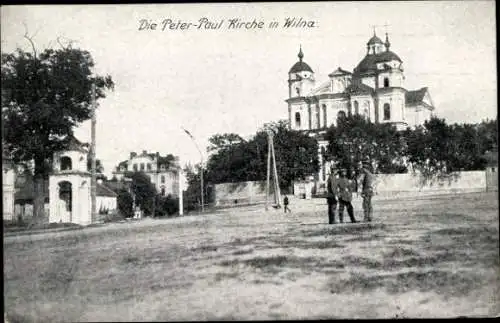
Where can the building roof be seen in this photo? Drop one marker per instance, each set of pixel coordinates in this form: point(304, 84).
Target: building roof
point(369, 63)
point(359, 88)
point(76, 145)
point(415, 97)
point(374, 40)
point(339, 71)
point(300, 67)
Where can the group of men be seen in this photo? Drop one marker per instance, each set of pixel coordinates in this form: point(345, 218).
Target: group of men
point(340, 188)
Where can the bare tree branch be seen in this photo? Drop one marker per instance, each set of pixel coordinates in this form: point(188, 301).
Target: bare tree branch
point(30, 39)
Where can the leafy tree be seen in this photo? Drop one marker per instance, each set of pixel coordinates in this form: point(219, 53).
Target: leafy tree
point(238, 160)
point(355, 139)
point(124, 203)
point(192, 195)
point(220, 141)
point(99, 168)
point(143, 190)
point(44, 96)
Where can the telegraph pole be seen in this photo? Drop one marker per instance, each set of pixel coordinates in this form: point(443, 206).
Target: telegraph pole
point(92, 159)
point(268, 169)
point(181, 197)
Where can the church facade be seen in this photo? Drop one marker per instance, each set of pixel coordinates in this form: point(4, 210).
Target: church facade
point(374, 89)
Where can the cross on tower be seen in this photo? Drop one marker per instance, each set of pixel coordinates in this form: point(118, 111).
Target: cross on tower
point(375, 26)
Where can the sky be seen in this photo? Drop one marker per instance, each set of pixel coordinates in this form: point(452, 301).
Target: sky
point(233, 80)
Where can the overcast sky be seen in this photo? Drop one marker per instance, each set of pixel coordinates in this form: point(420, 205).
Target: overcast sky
point(234, 80)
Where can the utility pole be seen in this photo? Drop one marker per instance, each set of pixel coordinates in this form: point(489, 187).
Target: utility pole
point(268, 169)
point(92, 159)
point(201, 184)
point(181, 197)
point(277, 193)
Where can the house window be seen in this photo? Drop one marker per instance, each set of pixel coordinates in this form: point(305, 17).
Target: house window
point(163, 191)
point(298, 91)
point(349, 108)
point(356, 107)
point(65, 163)
point(386, 82)
point(162, 167)
point(162, 179)
point(149, 166)
point(297, 120)
point(142, 166)
point(387, 111)
point(135, 167)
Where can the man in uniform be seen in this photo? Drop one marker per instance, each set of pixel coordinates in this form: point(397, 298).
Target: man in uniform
point(330, 198)
point(344, 192)
point(367, 191)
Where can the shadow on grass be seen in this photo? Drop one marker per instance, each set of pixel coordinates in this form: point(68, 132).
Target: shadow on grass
point(346, 229)
point(441, 282)
point(279, 263)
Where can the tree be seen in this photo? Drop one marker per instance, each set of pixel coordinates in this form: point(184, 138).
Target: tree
point(355, 139)
point(236, 160)
point(437, 149)
point(99, 168)
point(220, 141)
point(143, 190)
point(192, 197)
point(124, 203)
point(44, 96)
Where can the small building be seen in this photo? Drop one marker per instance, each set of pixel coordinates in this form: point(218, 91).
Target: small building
point(67, 191)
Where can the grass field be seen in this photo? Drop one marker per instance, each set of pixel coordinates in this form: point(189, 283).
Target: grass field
point(434, 257)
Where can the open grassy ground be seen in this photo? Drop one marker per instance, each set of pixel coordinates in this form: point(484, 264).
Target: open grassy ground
point(433, 257)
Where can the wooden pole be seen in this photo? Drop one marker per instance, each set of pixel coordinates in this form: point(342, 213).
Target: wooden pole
point(202, 191)
point(268, 169)
point(277, 193)
point(181, 197)
point(92, 159)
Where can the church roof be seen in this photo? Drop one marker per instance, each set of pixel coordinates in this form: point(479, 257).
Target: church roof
point(359, 88)
point(300, 67)
point(375, 40)
point(370, 61)
point(415, 97)
point(339, 71)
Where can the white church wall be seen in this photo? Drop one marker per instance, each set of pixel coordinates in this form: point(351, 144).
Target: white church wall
point(369, 80)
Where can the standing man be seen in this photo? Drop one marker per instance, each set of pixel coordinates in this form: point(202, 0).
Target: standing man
point(285, 203)
point(367, 191)
point(330, 197)
point(344, 192)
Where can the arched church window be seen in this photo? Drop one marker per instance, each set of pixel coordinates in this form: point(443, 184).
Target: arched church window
point(135, 167)
point(340, 116)
point(163, 191)
point(356, 107)
point(386, 82)
point(349, 109)
point(162, 179)
point(65, 194)
point(387, 111)
point(297, 120)
point(66, 163)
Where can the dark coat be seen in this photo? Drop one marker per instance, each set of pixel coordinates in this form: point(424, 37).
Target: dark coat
point(331, 184)
point(345, 188)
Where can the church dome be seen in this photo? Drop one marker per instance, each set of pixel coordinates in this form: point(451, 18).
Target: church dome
point(370, 61)
point(375, 40)
point(300, 66)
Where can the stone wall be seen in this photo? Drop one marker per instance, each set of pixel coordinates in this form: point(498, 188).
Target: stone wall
point(233, 194)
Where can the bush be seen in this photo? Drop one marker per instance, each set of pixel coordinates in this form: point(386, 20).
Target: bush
point(168, 205)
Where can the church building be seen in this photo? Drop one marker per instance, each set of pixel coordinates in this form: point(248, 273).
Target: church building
point(374, 89)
